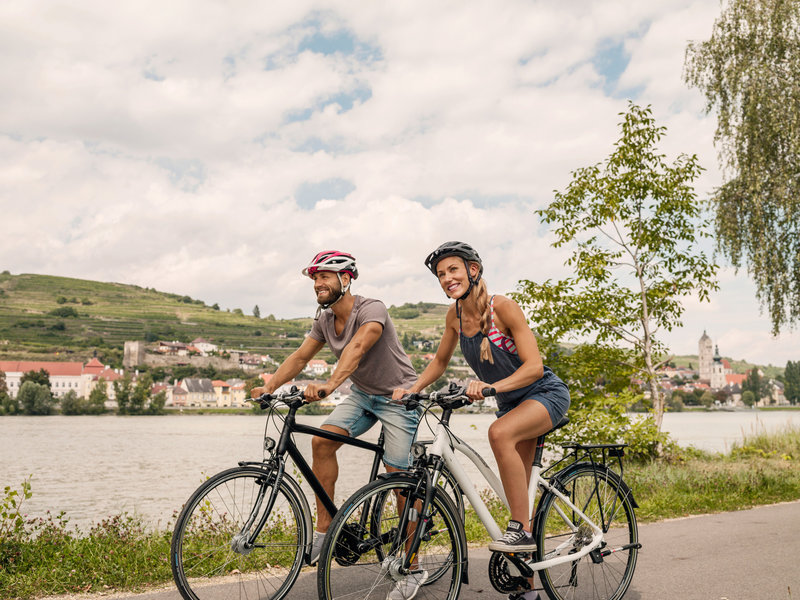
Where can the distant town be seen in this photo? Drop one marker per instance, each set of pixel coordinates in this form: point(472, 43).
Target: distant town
point(713, 380)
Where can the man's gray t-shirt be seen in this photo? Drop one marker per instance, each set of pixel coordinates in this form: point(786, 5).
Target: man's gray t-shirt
point(385, 366)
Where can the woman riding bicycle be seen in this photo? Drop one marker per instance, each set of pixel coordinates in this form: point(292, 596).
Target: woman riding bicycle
point(500, 347)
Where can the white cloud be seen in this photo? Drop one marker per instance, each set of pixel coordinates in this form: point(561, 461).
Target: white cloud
point(163, 144)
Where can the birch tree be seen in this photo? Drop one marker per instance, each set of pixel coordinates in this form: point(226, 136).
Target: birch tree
point(633, 224)
point(749, 71)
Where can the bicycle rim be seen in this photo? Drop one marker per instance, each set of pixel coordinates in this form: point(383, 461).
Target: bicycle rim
point(205, 564)
point(606, 573)
point(361, 556)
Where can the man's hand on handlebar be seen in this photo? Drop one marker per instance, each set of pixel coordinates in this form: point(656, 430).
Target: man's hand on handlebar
point(259, 391)
point(315, 391)
point(399, 394)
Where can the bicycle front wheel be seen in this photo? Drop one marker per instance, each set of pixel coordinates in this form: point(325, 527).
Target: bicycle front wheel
point(367, 541)
point(210, 555)
point(605, 573)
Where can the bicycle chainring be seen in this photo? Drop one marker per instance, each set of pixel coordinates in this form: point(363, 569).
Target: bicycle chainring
point(346, 552)
point(502, 579)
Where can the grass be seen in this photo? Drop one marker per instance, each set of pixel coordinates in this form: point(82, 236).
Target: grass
point(46, 556)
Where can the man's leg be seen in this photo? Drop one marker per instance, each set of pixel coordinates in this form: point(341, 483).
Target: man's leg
point(326, 468)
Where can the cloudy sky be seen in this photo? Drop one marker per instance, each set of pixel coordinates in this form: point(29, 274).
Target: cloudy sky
point(210, 149)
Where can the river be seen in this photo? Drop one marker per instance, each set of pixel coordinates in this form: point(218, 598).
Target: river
point(94, 467)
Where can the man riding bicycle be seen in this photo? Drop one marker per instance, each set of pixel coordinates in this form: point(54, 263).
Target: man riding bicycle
point(360, 333)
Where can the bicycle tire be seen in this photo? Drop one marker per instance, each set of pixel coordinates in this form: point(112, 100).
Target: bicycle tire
point(204, 563)
point(367, 572)
point(592, 576)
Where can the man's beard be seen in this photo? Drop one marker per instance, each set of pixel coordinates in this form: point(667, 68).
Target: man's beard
point(329, 297)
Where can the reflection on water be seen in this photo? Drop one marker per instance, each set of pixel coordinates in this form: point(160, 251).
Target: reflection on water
point(93, 467)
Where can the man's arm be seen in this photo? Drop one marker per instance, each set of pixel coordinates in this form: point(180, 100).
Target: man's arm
point(362, 341)
point(289, 368)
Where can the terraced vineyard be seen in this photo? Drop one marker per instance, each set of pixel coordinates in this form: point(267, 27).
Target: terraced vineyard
point(60, 316)
point(43, 314)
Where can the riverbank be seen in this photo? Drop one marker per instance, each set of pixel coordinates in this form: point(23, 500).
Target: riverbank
point(48, 555)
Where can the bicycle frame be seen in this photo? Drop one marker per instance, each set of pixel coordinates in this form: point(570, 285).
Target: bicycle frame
point(286, 445)
point(444, 446)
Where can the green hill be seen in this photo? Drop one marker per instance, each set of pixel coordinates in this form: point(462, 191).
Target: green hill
point(44, 317)
point(43, 314)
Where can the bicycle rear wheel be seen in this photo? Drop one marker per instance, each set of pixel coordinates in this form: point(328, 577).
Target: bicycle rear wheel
point(365, 547)
point(605, 573)
point(208, 557)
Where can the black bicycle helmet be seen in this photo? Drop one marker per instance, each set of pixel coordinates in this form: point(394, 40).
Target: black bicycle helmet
point(464, 251)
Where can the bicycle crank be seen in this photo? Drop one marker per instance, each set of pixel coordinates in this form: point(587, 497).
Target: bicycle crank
point(509, 573)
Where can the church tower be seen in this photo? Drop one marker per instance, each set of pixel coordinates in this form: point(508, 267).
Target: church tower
point(706, 354)
point(717, 371)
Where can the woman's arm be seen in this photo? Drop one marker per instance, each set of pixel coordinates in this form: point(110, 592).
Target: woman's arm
point(444, 353)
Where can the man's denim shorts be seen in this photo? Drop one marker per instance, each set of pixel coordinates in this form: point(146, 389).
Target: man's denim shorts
point(360, 411)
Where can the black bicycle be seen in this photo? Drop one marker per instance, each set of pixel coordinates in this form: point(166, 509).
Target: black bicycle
point(246, 532)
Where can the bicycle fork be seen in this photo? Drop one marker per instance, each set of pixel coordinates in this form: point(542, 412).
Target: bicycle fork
point(244, 541)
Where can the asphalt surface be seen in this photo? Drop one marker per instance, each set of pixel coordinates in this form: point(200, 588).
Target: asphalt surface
point(745, 555)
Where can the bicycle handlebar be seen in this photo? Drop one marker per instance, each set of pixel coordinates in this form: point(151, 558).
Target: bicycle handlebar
point(455, 396)
point(293, 397)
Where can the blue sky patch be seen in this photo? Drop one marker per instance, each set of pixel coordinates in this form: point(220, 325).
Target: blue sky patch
point(346, 100)
point(309, 193)
point(335, 41)
point(610, 62)
point(187, 174)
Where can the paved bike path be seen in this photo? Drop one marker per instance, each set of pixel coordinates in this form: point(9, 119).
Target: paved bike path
point(744, 555)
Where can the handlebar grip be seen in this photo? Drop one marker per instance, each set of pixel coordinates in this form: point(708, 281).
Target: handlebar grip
point(322, 393)
point(411, 401)
point(488, 391)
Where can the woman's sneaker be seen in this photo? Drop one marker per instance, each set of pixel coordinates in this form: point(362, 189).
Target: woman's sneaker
point(515, 539)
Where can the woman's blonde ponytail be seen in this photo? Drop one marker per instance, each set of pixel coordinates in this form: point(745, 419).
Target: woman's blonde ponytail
point(482, 298)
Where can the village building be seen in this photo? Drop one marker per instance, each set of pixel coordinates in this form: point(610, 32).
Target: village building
point(200, 392)
point(64, 376)
point(204, 347)
point(317, 367)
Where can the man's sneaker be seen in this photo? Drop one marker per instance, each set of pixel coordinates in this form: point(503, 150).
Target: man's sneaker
point(515, 539)
point(407, 588)
point(316, 548)
point(529, 595)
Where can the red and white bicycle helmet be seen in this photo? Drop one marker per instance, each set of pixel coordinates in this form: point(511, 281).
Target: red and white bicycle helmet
point(332, 260)
point(336, 262)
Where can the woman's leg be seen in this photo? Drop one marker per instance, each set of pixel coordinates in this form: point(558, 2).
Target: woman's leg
point(513, 440)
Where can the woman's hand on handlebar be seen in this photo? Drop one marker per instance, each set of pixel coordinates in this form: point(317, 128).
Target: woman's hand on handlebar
point(475, 390)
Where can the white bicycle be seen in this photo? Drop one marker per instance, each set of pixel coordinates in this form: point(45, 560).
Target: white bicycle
point(584, 524)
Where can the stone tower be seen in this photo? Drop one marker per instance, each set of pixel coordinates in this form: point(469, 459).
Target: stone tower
point(706, 355)
point(134, 354)
point(717, 371)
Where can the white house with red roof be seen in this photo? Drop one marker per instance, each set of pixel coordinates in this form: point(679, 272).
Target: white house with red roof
point(64, 376)
point(317, 367)
point(204, 346)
